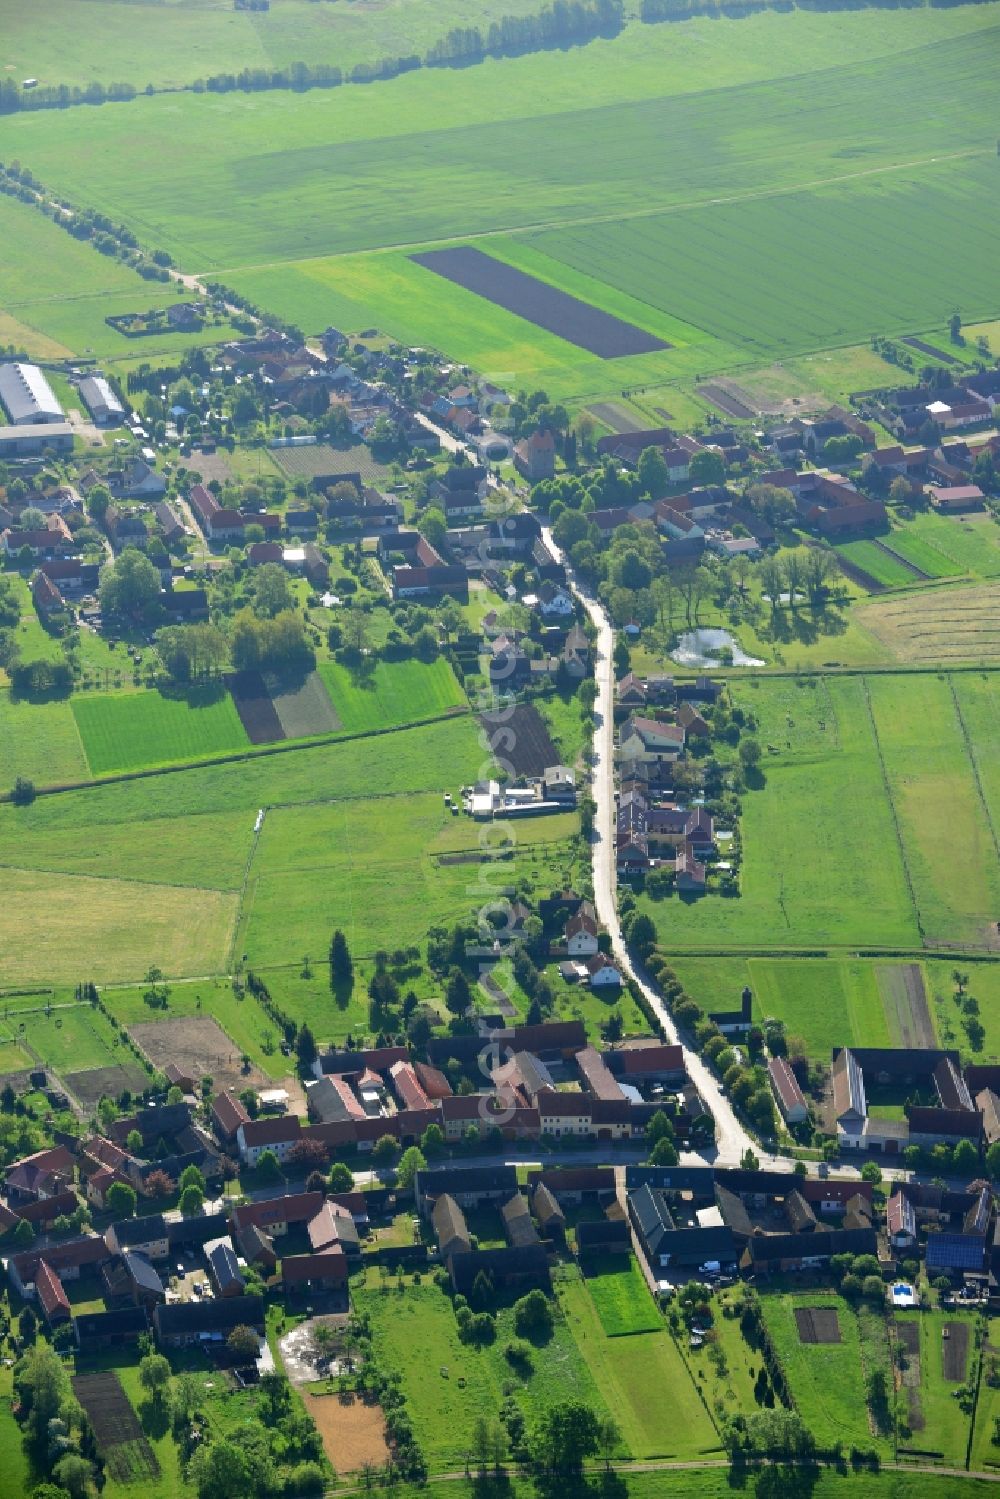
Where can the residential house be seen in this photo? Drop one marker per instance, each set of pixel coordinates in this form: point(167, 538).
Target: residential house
point(207, 1321)
point(46, 596)
point(51, 1295)
point(223, 1267)
point(785, 1086)
point(450, 1227)
point(581, 932)
point(147, 1235)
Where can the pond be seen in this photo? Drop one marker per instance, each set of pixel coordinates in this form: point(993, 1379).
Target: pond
point(702, 648)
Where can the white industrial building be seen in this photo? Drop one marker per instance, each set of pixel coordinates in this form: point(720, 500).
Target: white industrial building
point(27, 396)
point(101, 401)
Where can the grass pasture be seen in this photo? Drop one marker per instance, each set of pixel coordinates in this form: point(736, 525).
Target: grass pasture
point(70, 1038)
point(940, 1425)
point(878, 564)
point(397, 692)
point(922, 553)
point(621, 1298)
point(136, 730)
point(40, 741)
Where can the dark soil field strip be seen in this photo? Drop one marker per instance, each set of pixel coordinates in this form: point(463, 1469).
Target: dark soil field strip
point(120, 1439)
point(817, 1324)
point(905, 999)
point(726, 402)
point(955, 1351)
point(258, 714)
point(537, 302)
point(929, 349)
point(520, 741)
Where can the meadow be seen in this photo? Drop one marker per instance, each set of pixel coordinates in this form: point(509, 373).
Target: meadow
point(39, 741)
point(922, 553)
point(135, 730)
point(106, 880)
point(826, 1379)
point(397, 692)
point(947, 624)
point(242, 1019)
point(69, 1037)
point(885, 569)
point(971, 542)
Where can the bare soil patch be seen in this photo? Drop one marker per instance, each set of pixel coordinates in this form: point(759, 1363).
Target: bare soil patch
point(303, 705)
point(120, 1439)
point(537, 302)
point(210, 466)
point(321, 461)
point(955, 1350)
point(95, 1083)
point(905, 999)
point(727, 400)
point(258, 714)
point(614, 416)
point(817, 1324)
point(353, 1433)
point(520, 740)
point(199, 1046)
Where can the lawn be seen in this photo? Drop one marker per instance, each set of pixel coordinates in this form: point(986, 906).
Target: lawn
point(398, 692)
point(39, 741)
point(805, 882)
point(938, 807)
point(565, 725)
point(972, 541)
point(135, 730)
point(621, 1298)
point(451, 1384)
point(645, 1382)
point(826, 1379)
point(984, 987)
point(918, 550)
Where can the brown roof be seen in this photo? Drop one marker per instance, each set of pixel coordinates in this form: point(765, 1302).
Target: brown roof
point(638, 1060)
point(786, 1084)
point(432, 1081)
point(295, 1207)
point(299, 1269)
point(51, 1292)
point(229, 1113)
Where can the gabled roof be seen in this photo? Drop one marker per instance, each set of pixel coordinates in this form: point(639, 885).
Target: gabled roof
point(51, 1292)
point(189, 1318)
point(141, 1273)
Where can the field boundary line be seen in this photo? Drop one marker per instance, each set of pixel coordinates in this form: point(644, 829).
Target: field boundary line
point(892, 808)
point(241, 894)
point(973, 761)
point(243, 757)
point(117, 879)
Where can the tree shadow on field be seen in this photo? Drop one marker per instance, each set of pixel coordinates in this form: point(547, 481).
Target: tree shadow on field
point(195, 694)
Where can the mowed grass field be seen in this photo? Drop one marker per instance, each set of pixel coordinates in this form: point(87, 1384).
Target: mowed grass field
point(869, 787)
point(932, 625)
point(622, 1300)
point(397, 692)
point(105, 881)
point(890, 571)
point(134, 730)
point(39, 741)
point(70, 1038)
point(643, 1379)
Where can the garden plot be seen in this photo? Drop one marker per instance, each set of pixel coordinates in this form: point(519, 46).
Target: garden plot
point(817, 1324)
point(90, 1086)
point(303, 705)
point(120, 1439)
point(521, 740)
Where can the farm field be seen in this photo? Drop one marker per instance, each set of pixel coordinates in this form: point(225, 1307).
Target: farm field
point(938, 807)
point(344, 863)
point(63, 289)
point(242, 1020)
point(921, 552)
point(73, 926)
point(852, 896)
point(39, 741)
point(627, 1370)
point(621, 1299)
point(947, 624)
point(453, 1383)
point(146, 872)
point(826, 1379)
point(972, 542)
point(135, 730)
point(885, 569)
point(71, 1038)
point(399, 692)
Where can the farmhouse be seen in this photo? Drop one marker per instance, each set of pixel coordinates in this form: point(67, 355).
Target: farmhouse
point(952, 1117)
point(210, 1321)
point(787, 1092)
point(647, 739)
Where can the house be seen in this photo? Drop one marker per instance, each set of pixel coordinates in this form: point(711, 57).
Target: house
point(148, 1235)
point(211, 1321)
point(333, 1227)
point(66, 1259)
point(256, 1247)
point(550, 1216)
point(957, 498)
point(508, 1269)
point(952, 1117)
point(277, 1214)
point(581, 932)
point(228, 1113)
point(224, 1268)
point(535, 457)
point(901, 1221)
point(691, 721)
point(597, 1077)
point(328, 1271)
point(470, 1186)
point(450, 1227)
point(787, 1092)
point(648, 739)
point(689, 872)
point(517, 1221)
point(602, 973)
point(46, 596)
point(51, 1295)
point(111, 1329)
point(647, 1061)
point(141, 482)
point(141, 1281)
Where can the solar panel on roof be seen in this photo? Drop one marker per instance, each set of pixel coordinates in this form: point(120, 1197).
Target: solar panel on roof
point(954, 1252)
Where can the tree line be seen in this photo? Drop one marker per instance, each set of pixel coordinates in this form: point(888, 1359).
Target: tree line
point(559, 24)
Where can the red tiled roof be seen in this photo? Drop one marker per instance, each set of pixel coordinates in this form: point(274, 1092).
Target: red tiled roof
point(299, 1269)
point(51, 1292)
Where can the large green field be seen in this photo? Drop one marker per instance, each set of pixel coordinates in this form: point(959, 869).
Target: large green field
point(132, 730)
point(104, 881)
point(39, 741)
point(869, 787)
point(632, 164)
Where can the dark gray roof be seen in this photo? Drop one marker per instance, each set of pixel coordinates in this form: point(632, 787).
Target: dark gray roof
point(461, 1179)
point(517, 1221)
point(222, 1262)
point(141, 1272)
point(603, 1233)
point(197, 1230)
point(822, 1244)
point(192, 1317)
point(734, 1214)
point(652, 1217)
point(140, 1230)
point(120, 1323)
